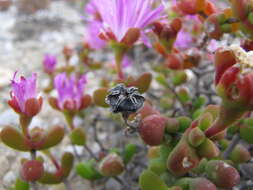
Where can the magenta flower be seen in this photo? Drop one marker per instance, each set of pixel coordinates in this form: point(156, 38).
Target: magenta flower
point(92, 10)
point(24, 96)
point(124, 20)
point(49, 63)
point(70, 92)
point(92, 33)
point(184, 40)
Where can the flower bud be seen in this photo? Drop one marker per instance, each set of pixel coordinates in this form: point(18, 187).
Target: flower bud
point(151, 129)
point(32, 170)
point(111, 165)
point(49, 63)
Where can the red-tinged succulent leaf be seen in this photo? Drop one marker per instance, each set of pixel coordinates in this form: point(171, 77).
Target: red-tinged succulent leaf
point(37, 138)
point(183, 157)
point(213, 27)
point(240, 155)
point(99, 97)
point(111, 165)
point(53, 137)
point(149, 181)
point(78, 136)
point(33, 106)
point(201, 167)
point(224, 59)
point(187, 6)
point(172, 125)
point(131, 36)
point(143, 82)
point(222, 174)
point(213, 110)
point(50, 178)
point(240, 8)
point(32, 170)
point(210, 8)
point(219, 136)
point(176, 24)
point(147, 109)
point(196, 137)
point(183, 94)
point(179, 77)
point(53, 103)
point(14, 105)
point(226, 81)
point(14, 139)
point(67, 162)
point(174, 61)
point(201, 184)
point(245, 86)
point(208, 149)
point(205, 121)
point(152, 128)
point(86, 101)
point(227, 116)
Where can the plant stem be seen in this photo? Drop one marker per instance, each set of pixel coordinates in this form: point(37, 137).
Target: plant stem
point(33, 157)
point(90, 152)
point(236, 139)
point(118, 61)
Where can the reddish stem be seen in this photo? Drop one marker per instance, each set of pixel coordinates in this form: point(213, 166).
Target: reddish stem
point(216, 128)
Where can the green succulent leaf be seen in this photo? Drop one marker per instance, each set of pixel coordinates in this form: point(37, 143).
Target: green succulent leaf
point(78, 136)
point(21, 185)
point(87, 170)
point(14, 139)
point(53, 137)
point(129, 152)
point(67, 162)
point(149, 181)
point(99, 97)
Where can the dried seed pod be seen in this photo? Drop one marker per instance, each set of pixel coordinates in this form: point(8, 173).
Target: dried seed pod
point(124, 99)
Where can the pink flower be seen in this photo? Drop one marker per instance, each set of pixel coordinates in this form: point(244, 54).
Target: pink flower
point(24, 96)
point(49, 63)
point(92, 10)
point(184, 40)
point(70, 92)
point(92, 33)
point(124, 20)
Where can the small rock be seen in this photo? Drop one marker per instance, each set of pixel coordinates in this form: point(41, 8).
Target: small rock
point(4, 166)
point(9, 178)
